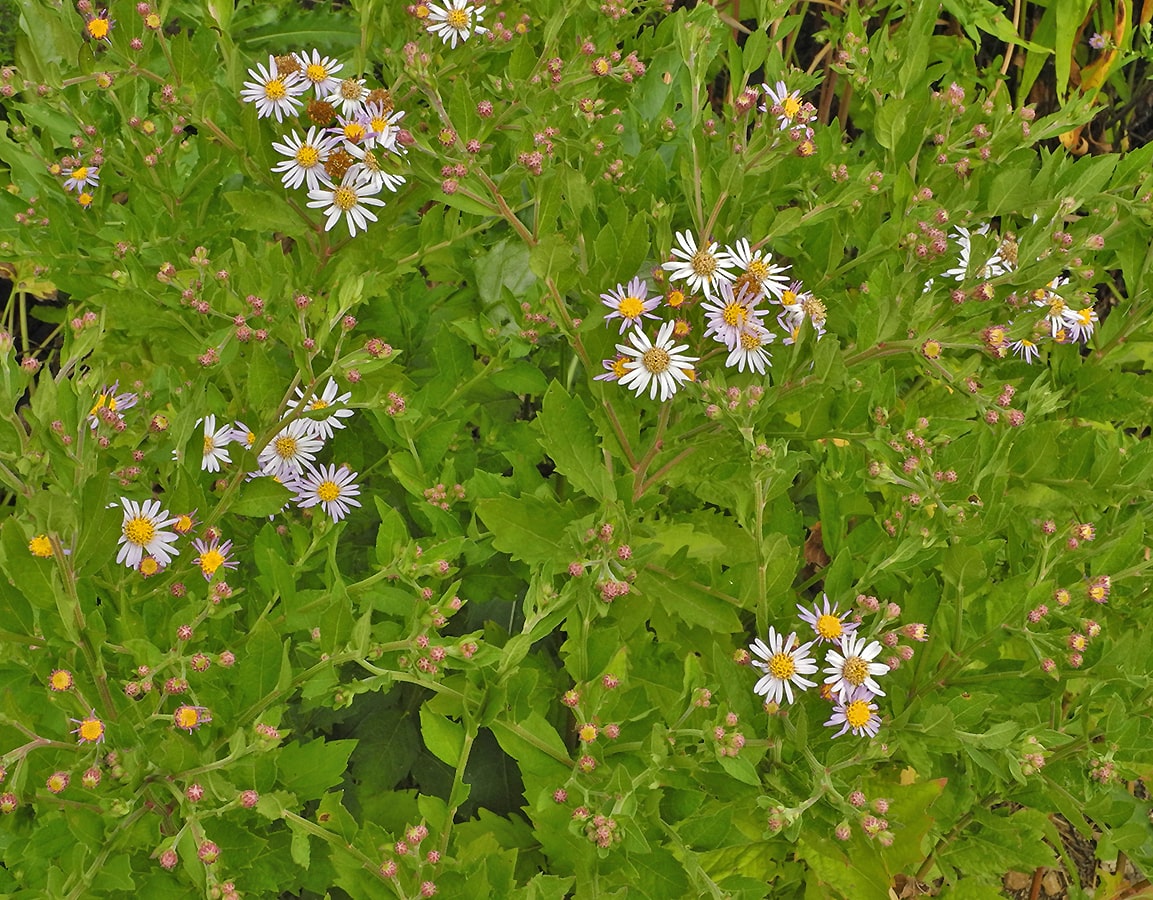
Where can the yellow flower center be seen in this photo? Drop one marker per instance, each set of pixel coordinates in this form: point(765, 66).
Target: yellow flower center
point(1056, 307)
point(372, 164)
point(782, 667)
point(997, 335)
point(209, 444)
point(791, 106)
point(318, 403)
point(344, 197)
point(631, 307)
point(316, 73)
point(855, 671)
point(749, 340)
point(60, 680)
point(85, 199)
point(285, 446)
point(98, 28)
point(354, 132)
point(857, 713)
point(758, 269)
point(57, 782)
point(1097, 592)
point(458, 19)
point(328, 491)
point(90, 730)
point(815, 310)
point(789, 297)
point(275, 89)
point(675, 298)
point(80, 174)
point(210, 561)
point(656, 360)
point(421, 11)
point(183, 524)
point(187, 717)
point(152, 20)
point(703, 263)
point(307, 156)
point(588, 733)
point(829, 627)
point(149, 567)
point(139, 531)
point(619, 369)
point(350, 89)
point(1085, 316)
point(681, 329)
point(379, 124)
point(734, 314)
point(40, 546)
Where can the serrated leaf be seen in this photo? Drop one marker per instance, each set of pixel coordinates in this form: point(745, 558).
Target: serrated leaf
point(261, 497)
point(568, 436)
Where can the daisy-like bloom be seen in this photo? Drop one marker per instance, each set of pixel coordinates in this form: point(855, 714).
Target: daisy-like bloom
point(1053, 303)
point(856, 713)
point(631, 304)
point(456, 21)
point(828, 623)
point(784, 661)
point(191, 717)
point(703, 268)
point(786, 105)
point(332, 487)
point(216, 441)
point(274, 94)
point(370, 168)
point(57, 782)
point(657, 365)
point(323, 428)
point(109, 400)
point(350, 128)
point(757, 269)
point(320, 72)
point(61, 680)
point(99, 27)
point(304, 162)
point(149, 567)
point(81, 178)
point(213, 556)
point(285, 455)
point(349, 198)
point(383, 126)
point(750, 349)
point(615, 368)
point(994, 266)
point(89, 730)
point(185, 522)
point(351, 94)
point(40, 546)
point(730, 314)
point(1081, 323)
point(85, 199)
point(242, 434)
point(851, 666)
point(1026, 349)
point(803, 307)
point(143, 532)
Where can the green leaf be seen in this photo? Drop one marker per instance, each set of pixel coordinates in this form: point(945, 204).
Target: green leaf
point(307, 770)
point(529, 528)
point(569, 438)
point(261, 497)
point(443, 737)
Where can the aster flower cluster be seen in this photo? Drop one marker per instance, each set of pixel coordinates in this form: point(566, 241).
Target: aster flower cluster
point(290, 457)
point(852, 665)
point(1066, 317)
point(793, 115)
point(352, 149)
point(734, 283)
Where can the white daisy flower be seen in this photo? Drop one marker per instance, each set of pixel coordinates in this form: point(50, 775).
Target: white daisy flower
point(784, 661)
point(750, 349)
point(657, 365)
point(856, 713)
point(370, 168)
point(332, 487)
point(704, 269)
point(1025, 349)
point(456, 21)
point(853, 666)
point(305, 158)
point(142, 533)
point(383, 127)
point(81, 178)
point(631, 304)
point(349, 198)
point(1081, 323)
point(994, 266)
point(1053, 303)
point(828, 623)
point(350, 129)
point(323, 428)
point(351, 94)
point(274, 94)
point(242, 434)
point(216, 441)
point(786, 105)
point(759, 267)
point(799, 307)
point(320, 72)
point(285, 455)
point(728, 315)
